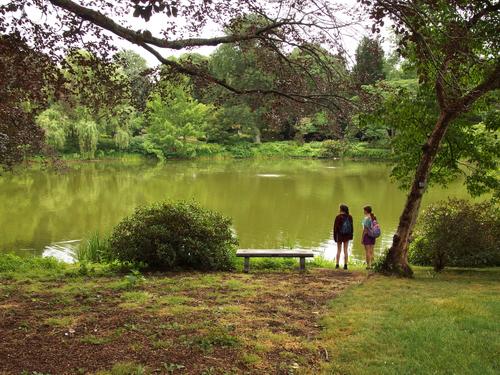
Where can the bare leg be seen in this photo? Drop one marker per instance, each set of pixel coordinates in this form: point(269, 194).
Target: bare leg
point(369, 255)
point(346, 255)
point(339, 250)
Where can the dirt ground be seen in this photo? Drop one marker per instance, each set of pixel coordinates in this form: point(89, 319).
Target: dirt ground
point(188, 323)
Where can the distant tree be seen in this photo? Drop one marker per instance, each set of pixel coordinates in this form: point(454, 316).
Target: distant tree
point(241, 68)
point(55, 123)
point(137, 73)
point(369, 67)
point(175, 122)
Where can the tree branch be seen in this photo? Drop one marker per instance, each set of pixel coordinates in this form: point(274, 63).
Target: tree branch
point(491, 8)
point(490, 83)
point(107, 23)
point(300, 98)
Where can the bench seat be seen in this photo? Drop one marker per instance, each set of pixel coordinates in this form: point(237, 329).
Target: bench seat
point(274, 253)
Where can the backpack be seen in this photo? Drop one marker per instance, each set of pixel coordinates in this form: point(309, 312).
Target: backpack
point(346, 227)
point(374, 230)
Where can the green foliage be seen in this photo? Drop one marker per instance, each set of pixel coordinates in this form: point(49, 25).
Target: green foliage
point(175, 123)
point(94, 249)
point(175, 236)
point(471, 146)
point(233, 123)
point(122, 139)
point(14, 263)
point(133, 279)
point(457, 233)
point(369, 67)
point(55, 123)
point(317, 126)
point(241, 150)
point(134, 68)
point(362, 151)
point(209, 150)
point(88, 136)
point(333, 149)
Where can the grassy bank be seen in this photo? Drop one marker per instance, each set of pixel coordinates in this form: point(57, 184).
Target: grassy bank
point(284, 149)
point(59, 319)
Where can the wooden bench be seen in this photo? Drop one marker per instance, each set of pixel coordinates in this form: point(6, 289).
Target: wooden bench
point(274, 253)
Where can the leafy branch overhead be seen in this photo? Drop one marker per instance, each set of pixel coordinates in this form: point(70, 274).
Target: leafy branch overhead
point(309, 26)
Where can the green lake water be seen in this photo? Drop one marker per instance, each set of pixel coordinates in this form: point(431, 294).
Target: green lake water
point(273, 203)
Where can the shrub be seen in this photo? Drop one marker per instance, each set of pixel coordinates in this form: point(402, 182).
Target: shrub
point(307, 150)
point(175, 236)
point(241, 150)
point(457, 233)
point(137, 145)
point(275, 149)
point(333, 149)
point(359, 151)
point(209, 149)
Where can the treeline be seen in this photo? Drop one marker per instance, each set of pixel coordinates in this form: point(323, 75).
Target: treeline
point(125, 106)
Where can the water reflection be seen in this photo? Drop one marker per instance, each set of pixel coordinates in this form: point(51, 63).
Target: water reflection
point(64, 251)
point(294, 208)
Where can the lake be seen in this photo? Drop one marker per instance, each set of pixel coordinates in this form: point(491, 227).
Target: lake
point(273, 203)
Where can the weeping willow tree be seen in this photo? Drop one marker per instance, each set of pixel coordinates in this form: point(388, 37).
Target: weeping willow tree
point(55, 124)
point(88, 135)
point(122, 138)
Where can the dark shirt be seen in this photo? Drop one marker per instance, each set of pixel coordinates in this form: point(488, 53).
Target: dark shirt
point(342, 237)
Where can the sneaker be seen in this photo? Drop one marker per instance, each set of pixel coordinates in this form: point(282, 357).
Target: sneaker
point(345, 266)
point(337, 267)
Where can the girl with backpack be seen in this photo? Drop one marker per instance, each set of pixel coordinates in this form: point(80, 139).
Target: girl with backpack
point(343, 233)
point(371, 230)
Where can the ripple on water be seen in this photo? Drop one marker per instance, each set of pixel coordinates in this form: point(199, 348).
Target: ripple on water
point(269, 175)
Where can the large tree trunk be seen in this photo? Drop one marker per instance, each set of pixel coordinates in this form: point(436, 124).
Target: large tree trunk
point(396, 261)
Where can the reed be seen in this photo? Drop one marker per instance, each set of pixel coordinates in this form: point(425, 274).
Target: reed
point(93, 249)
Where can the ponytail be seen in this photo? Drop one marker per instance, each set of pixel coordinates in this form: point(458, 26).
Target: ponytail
point(369, 210)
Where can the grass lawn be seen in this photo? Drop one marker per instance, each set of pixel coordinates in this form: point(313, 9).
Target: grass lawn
point(433, 324)
point(266, 322)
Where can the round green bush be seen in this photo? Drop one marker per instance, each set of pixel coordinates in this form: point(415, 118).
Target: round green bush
point(169, 236)
point(457, 233)
point(333, 148)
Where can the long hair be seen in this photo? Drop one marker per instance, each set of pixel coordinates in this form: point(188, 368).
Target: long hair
point(369, 210)
point(344, 208)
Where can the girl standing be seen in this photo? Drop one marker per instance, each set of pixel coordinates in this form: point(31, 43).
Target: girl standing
point(343, 233)
point(367, 240)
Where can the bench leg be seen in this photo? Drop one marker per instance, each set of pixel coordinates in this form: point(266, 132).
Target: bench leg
point(246, 267)
point(302, 264)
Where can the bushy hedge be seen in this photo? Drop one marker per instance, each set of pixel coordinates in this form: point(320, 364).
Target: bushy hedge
point(170, 236)
point(457, 233)
point(333, 149)
point(360, 151)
